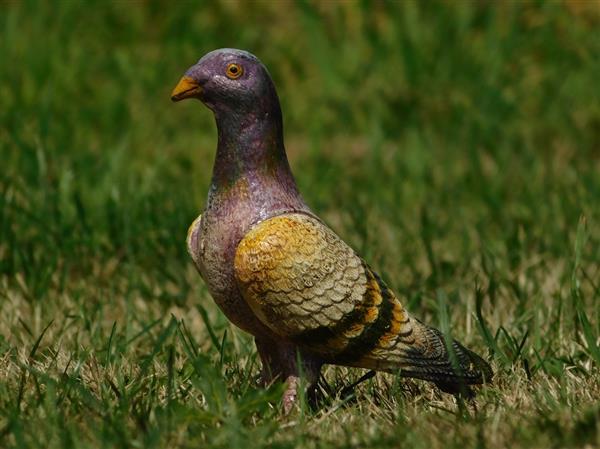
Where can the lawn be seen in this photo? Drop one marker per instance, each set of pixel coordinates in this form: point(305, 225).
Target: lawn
point(454, 145)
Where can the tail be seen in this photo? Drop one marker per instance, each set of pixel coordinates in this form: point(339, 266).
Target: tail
point(446, 362)
point(422, 352)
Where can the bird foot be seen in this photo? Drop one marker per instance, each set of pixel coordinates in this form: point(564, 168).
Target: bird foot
point(283, 361)
point(290, 394)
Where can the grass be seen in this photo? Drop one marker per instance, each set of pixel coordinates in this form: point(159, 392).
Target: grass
point(455, 145)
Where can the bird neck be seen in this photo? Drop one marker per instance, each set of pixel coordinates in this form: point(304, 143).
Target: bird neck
point(250, 150)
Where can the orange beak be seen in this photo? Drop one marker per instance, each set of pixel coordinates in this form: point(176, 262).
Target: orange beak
point(186, 88)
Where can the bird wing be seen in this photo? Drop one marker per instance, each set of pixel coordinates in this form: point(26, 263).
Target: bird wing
point(308, 286)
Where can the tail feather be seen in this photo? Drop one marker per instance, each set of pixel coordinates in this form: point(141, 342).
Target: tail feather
point(450, 366)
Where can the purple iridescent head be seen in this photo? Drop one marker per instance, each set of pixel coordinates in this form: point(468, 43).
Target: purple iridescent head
point(236, 86)
point(229, 81)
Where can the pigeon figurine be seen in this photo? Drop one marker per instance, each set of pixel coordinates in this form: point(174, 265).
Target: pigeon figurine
point(279, 272)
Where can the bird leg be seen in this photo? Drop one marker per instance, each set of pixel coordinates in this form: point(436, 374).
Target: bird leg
point(349, 389)
point(291, 392)
point(284, 361)
point(271, 362)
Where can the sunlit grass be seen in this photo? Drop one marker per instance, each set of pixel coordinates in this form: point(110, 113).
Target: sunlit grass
point(454, 145)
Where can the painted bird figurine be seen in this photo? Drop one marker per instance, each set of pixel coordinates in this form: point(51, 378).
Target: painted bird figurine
point(281, 274)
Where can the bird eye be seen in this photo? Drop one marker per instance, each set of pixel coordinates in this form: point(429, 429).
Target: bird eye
point(234, 71)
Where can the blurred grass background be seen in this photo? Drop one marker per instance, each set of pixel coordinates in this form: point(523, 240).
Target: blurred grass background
point(456, 145)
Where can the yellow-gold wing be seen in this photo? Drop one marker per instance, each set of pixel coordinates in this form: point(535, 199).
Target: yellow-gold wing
point(308, 286)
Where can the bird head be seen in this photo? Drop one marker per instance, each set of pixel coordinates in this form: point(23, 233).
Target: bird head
point(227, 81)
